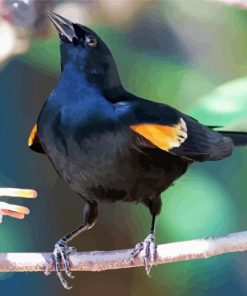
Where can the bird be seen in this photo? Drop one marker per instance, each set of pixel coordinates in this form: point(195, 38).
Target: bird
point(109, 145)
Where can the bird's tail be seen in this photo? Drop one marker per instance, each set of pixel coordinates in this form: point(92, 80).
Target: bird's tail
point(238, 138)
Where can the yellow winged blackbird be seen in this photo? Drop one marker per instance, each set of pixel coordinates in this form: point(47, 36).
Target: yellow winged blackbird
point(110, 145)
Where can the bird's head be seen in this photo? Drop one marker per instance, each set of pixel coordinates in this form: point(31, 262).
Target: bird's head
point(83, 48)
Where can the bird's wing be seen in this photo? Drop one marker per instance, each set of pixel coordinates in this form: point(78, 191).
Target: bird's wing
point(34, 142)
point(165, 137)
point(166, 128)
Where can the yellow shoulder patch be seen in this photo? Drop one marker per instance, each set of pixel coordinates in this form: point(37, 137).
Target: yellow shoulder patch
point(163, 136)
point(32, 136)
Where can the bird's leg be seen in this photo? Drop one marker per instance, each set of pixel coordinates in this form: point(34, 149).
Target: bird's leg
point(147, 249)
point(60, 256)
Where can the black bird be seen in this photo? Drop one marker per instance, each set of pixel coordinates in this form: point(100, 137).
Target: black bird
point(110, 145)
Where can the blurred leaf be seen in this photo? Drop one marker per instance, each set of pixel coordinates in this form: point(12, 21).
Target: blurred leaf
point(182, 276)
point(154, 77)
point(197, 206)
point(166, 81)
point(44, 55)
point(227, 105)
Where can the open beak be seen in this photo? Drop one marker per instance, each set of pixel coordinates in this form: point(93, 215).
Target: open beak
point(63, 26)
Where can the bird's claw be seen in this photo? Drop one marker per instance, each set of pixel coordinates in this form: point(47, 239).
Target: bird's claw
point(147, 250)
point(60, 257)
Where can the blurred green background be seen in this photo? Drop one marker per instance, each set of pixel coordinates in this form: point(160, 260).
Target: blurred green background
point(189, 54)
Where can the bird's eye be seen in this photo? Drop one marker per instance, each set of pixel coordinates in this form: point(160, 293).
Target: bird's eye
point(91, 41)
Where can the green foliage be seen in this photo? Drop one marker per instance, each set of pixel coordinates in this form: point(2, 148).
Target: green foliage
point(44, 55)
point(196, 206)
point(226, 105)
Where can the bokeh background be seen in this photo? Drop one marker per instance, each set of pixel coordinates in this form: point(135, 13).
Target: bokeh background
point(190, 54)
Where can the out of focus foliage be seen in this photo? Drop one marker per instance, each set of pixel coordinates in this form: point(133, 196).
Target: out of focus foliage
point(189, 54)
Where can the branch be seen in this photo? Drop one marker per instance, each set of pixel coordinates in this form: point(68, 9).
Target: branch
point(103, 260)
point(15, 211)
point(236, 3)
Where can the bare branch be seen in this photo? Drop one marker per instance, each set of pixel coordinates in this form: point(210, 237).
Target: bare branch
point(15, 211)
point(236, 3)
point(18, 192)
point(103, 260)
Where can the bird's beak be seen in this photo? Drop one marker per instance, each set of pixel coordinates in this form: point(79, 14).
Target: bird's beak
point(63, 26)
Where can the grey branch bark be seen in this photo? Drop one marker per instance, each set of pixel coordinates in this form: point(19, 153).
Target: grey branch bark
point(103, 260)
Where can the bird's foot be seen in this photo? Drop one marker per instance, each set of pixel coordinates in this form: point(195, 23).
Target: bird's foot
point(147, 250)
point(60, 259)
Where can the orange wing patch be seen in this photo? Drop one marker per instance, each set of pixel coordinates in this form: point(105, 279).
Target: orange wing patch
point(163, 136)
point(34, 142)
point(32, 136)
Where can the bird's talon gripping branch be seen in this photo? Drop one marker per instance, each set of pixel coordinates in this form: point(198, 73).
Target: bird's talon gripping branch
point(63, 281)
point(60, 257)
point(49, 264)
point(147, 250)
point(137, 249)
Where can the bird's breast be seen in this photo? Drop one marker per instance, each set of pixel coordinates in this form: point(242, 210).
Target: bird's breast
point(100, 159)
point(86, 155)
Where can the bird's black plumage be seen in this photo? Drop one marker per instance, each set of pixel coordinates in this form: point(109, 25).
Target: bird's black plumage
point(108, 144)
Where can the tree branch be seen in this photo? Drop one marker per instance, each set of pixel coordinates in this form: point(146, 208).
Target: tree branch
point(103, 260)
point(15, 211)
point(236, 3)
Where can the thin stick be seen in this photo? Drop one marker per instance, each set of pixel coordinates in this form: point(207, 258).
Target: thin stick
point(236, 3)
point(15, 211)
point(17, 192)
point(104, 260)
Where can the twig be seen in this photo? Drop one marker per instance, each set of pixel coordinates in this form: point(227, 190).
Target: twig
point(18, 192)
point(236, 3)
point(15, 211)
point(103, 260)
